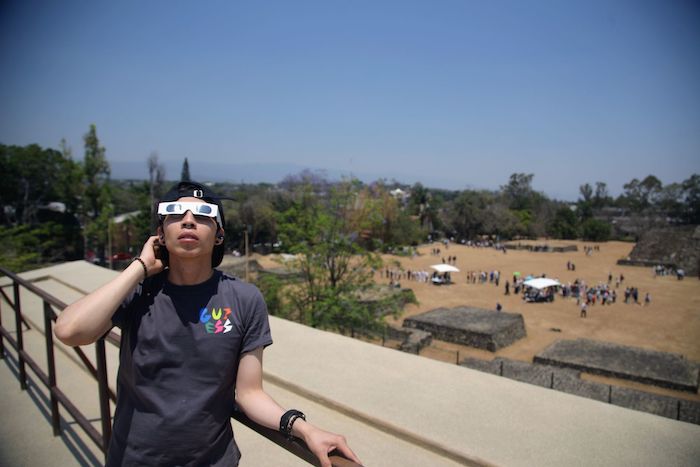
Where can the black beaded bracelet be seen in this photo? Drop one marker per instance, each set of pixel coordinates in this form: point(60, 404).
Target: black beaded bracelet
point(145, 269)
point(287, 421)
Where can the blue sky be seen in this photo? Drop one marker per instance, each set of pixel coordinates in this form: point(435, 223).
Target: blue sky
point(452, 94)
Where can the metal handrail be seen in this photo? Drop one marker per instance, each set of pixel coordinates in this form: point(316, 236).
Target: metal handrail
point(295, 446)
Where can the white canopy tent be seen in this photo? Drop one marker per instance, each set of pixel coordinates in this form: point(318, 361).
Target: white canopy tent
point(541, 283)
point(444, 268)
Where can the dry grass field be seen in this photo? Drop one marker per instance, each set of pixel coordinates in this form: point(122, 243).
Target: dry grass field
point(671, 323)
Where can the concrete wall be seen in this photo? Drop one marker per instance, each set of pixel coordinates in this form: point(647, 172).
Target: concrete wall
point(566, 382)
point(473, 327)
point(494, 367)
point(569, 381)
point(645, 402)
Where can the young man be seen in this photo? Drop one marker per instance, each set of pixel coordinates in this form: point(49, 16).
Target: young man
point(192, 345)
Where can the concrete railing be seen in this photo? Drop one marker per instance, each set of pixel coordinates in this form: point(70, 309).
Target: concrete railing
point(99, 372)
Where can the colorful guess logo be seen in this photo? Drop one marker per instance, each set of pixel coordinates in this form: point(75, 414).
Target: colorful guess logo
point(216, 321)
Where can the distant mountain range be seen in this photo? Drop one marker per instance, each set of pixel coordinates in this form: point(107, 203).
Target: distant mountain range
point(204, 171)
point(208, 171)
point(258, 173)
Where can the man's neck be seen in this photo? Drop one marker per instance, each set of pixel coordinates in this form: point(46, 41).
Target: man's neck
point(189, 272)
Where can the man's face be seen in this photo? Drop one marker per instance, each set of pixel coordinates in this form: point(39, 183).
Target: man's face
point(188, 235)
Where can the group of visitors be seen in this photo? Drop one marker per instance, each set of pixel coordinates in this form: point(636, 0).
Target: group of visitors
point(662, 270)
point(485, 244)
point(518, 285)
point(482, 277)
point(632, 295)
point(419, 276)
point(602, 293)
point(590, 249)
point(395, 275)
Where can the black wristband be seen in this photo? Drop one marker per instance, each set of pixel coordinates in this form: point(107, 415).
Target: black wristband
point(287, 421)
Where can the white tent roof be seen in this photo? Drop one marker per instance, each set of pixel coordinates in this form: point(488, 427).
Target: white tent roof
point(541, 283)
point(444, 268)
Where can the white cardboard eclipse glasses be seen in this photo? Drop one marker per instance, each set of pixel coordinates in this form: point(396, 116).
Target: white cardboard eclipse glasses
point(179, 208)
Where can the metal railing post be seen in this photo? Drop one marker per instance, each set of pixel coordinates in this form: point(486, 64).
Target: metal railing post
point(20, 340)
point(2, 340)
point(103, 388)
point(51, 363)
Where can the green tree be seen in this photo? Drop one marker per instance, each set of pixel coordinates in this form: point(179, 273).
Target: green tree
point(532, 210)
point(70, 180)
point(586, 191)
point(185, 175)
point(33, 178)
point(130, 197)
point(670, 201)
point(595, 230)
point(502, 223)
point(585, 202)
point(642, 195)
point(97, 207)
point(518, 192)
point(601, 197)
point(258, 213)
point(156, 177)
point(468, 214)
point(691, 199)
point(543, 211)
point(564, 224)
point(381, 218)
point(333, 266)
point(421, 205)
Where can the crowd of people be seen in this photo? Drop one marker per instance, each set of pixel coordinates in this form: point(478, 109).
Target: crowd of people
point(665, 270)
point(606, 292)
point(603, 293)
point(395, 275)
point(485, 244)
point(482, 277)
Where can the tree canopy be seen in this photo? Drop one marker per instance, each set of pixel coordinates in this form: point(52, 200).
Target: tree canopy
point(322, 233)
point(47, 185)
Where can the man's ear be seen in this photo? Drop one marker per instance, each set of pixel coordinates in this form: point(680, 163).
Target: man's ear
point(220, 236)
point(161, 235)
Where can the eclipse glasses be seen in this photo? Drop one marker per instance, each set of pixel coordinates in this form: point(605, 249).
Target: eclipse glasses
point(179, 208)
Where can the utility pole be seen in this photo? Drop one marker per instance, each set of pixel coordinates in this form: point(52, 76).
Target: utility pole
point(247, 274)
point(109, 239)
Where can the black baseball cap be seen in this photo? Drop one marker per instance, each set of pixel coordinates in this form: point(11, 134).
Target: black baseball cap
point(203, 192)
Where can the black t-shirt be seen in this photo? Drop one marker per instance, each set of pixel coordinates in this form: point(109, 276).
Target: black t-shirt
point(177, 369)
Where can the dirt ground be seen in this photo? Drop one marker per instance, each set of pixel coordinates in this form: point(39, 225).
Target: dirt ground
point(671, 323)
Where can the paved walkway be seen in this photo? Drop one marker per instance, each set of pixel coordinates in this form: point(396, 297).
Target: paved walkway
point(398, 409)
point(26, 437)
